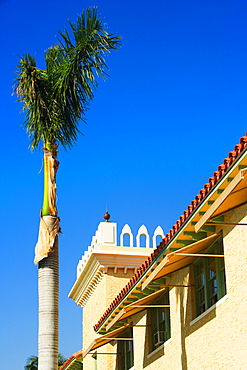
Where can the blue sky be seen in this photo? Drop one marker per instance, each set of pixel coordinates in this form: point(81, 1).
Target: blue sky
point(174, 105)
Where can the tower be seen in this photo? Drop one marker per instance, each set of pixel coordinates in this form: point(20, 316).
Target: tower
point(105, 268)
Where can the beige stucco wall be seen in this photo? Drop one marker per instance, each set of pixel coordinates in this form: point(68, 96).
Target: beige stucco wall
point(222, 333)
point(216, 340)
point(105, 292)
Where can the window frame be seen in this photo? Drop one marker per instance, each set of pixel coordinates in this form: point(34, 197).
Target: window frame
point(159, 321)
point(209, 278)
point(125, 351)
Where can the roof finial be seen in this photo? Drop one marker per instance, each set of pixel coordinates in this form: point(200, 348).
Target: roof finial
point(107, 215)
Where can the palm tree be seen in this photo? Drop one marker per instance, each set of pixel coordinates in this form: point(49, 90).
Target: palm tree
point(32, 362)
point(55, 99)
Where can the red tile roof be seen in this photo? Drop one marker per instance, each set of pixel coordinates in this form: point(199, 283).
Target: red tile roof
point(232, 156)
point(75, 356)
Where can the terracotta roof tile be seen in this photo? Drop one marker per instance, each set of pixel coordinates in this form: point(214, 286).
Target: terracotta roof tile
point(75, 356)
point(213, 180)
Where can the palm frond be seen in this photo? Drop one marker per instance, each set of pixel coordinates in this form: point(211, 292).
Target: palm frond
point(32, 363)
point(55, 99)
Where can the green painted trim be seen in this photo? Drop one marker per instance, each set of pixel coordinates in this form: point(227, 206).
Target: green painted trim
point(219, 191)
point(153, 287)
point(242, 167)
point(218, 219)
point(139, 295)
point(184, 243)
point(131, 299)
point(196, 236)
point(118, 325)
point(160, 281)
point(210, 202)
point(209, 228)
point(206, 228)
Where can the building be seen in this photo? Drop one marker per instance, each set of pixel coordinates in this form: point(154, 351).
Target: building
point(184, 307)
point(105, 269)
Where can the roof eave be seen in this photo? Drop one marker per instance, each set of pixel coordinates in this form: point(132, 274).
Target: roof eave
point(235, 165)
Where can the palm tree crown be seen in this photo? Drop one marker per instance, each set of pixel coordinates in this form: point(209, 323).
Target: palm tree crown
point(32, 362)
point(56, 98)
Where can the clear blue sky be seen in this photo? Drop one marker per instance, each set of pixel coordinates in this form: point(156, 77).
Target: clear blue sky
point(173, 107)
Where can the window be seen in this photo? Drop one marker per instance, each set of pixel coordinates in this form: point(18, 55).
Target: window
point(210, 282)
point(125, 351)
point(159, 320)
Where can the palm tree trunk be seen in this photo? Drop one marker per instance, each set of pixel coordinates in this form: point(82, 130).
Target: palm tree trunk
point(48, 307)
point(48, 274)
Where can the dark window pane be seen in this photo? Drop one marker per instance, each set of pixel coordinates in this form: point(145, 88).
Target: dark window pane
point(202, 308)
point(212, 269)
point(213, 286)
point(125, 351)
point(209, 278)
point(214, 299)
point(201, 296)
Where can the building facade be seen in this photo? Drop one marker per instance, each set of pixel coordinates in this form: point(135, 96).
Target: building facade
point(184, 306)
point(103, 271)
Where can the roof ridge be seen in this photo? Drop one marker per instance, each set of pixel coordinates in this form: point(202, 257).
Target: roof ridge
point(222, 169)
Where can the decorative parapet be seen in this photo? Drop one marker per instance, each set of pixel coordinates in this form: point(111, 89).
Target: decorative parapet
point(105, 256)
point(106, 237)
point(142, 231)
point(157, 232)
point(126, 231)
